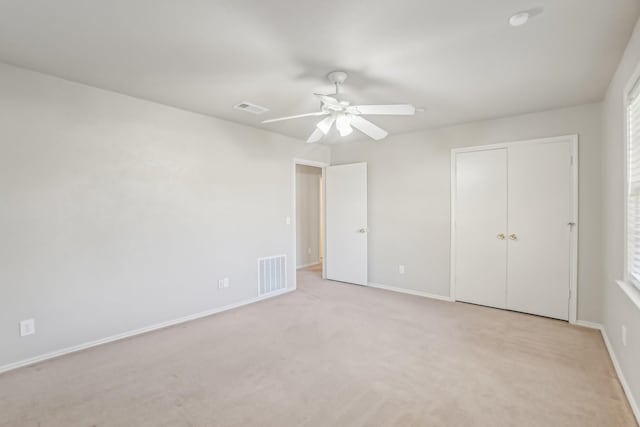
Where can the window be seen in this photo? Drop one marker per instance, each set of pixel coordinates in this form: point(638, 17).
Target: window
point(633, 186)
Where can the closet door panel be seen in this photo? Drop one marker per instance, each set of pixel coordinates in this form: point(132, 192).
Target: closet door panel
point(539, 241)
point(480, 218)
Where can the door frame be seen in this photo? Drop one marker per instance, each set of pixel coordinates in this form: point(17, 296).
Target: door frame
point(573, 256)
point(322, 166)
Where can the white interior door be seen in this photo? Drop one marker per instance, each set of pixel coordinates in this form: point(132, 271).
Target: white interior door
point(480, 221)
point(540, 210)
point(346, 223)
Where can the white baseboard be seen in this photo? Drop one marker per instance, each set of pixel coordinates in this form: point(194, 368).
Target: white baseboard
point(84, 346)
point(587, 324)
point(616, 365)
point(625, 386)
point(300, 267)
point(409, 291)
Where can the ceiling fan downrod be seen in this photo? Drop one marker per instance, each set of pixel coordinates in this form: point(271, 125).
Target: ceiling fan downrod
point(337, 78)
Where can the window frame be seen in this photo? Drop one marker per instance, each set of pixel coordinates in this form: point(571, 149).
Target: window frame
point(633, 87)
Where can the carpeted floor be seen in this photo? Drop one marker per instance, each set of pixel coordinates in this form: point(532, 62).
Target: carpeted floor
point(331, 354)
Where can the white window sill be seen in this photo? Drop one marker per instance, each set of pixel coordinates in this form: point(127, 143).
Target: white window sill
point(632, 292)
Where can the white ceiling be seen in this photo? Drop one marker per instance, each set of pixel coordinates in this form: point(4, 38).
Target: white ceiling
point(457, 59)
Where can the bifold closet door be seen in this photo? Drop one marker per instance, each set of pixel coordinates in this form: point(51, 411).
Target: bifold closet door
point(480, 248)
point(539, 245)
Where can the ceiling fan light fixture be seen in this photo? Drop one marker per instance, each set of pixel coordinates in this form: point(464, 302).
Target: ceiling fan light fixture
point(325, 124)
point(343, 124)
point(346, 131)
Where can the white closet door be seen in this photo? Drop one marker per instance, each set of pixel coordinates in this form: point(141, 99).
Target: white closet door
point(480, 224)
point(540, 208)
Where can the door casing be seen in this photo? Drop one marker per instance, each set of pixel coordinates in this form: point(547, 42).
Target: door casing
point(322, 166)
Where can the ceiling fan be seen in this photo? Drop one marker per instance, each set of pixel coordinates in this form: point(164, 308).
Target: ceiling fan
point(347, 116)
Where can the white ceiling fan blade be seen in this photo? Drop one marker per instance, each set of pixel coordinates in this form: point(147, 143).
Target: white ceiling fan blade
point(315, 136)
point(319, 113)
point(368, 128)
point(395, 109)
point(325, 124)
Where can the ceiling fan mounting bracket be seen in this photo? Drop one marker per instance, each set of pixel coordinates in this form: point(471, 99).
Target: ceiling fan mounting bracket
point(337, 78)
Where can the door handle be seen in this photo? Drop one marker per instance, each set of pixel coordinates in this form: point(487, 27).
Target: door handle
point(513, 237)
point(362, 230)
point(501, 236)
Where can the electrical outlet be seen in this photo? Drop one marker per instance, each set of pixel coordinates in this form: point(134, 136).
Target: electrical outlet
point(309, 251)
point(226, 282)
point(401, 269)
point(624, 335)
point(27, 327)
point(220, 283)
point(288, 220)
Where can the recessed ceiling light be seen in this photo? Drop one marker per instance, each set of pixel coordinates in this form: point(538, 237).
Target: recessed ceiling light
point(519, 19)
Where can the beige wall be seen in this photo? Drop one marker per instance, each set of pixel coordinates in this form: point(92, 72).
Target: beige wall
point(307, 215)
point(409, 197)
point(117, 213)
point(619, 308)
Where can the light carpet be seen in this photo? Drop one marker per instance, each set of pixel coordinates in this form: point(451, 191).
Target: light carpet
point(331, 354)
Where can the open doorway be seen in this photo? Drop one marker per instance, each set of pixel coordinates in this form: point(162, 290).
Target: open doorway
point(309, 197)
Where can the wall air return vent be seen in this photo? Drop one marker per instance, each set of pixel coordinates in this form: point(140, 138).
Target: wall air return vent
point(272, 274)
point(251, 108)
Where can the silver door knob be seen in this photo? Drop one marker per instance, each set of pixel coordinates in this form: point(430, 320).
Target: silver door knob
point(501, 236)
point(362, 230)
point(513, 237)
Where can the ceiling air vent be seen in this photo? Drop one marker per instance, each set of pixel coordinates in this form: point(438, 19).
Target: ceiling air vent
point(251, 108)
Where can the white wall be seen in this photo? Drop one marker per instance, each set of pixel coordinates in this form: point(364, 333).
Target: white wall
point(409, 197)
point(308, 215)
point(117, 213)
point(619, 309)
